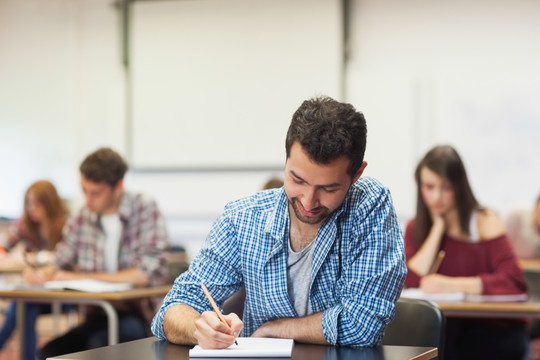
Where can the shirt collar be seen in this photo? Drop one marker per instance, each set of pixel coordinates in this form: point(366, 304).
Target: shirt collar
point(124, 210)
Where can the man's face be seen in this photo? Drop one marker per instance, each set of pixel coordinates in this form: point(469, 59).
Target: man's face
point(101, 198)
point(315, 191)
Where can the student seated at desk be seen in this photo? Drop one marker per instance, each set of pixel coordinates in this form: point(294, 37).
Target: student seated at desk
point(478, 257)
point(118, 236)
point(321, 259)
point(38, 231)
point(523, 228)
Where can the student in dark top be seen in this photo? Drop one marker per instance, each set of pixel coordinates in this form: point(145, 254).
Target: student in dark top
point(479, 258)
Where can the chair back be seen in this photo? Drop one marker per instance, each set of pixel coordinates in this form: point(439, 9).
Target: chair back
point(235, 304)
point(416, 323)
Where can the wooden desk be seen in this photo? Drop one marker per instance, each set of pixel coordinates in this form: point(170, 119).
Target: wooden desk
point(530, 264)
point(105, 300)
point(506, 310)
point(153, 349)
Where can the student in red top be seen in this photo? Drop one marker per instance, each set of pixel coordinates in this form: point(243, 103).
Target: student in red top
point(478, 257)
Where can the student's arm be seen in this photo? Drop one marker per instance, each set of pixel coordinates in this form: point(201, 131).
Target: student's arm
point(305, 329)
point(152, 244)
point(437, 283)
point(216, 266)
point(506, 276)
point(372, 272)
point(422, 261)
point(133, 276)
point(39, 276)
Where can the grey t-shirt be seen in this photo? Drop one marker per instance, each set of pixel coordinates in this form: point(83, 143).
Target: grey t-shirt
point(299, 278)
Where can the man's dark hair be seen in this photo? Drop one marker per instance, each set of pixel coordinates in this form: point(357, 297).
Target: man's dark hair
point(104, 165)
point(328, 129)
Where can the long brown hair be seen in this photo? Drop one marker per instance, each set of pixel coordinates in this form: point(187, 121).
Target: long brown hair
point(445, 162)
point(55, 208)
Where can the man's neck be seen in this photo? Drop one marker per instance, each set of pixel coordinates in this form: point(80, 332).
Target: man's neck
point(113, 209)
point(301, 234)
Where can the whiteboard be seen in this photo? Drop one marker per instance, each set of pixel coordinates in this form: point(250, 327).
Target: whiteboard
point(215, 82)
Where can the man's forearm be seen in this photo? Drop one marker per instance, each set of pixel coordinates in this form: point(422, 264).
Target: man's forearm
point(179, 324)
point(133, 276)
point(305, 329)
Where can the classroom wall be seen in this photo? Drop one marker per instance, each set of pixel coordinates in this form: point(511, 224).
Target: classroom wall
point(423, 72)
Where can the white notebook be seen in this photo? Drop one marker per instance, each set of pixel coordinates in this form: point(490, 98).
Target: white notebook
point(89, 285)
point(252, 347)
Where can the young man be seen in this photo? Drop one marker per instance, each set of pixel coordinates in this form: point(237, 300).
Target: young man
point(118, 236)
point(321, 259)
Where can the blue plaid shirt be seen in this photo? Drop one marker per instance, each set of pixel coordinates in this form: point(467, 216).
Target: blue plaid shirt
point(357, 274)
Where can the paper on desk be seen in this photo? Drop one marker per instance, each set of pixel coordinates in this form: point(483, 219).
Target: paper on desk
point(415, 293)
point(249, 347)
point(89, 285)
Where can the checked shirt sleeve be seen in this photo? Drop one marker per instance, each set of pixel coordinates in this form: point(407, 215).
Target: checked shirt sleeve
point(372, 277)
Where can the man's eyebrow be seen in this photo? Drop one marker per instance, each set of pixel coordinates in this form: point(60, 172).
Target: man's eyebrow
point(332, 185)
point(296, 175)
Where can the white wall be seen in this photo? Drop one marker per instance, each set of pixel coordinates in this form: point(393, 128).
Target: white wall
point(459, 72)
point(61, 92)
point(423, 72)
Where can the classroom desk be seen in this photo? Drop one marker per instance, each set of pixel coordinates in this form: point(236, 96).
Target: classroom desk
point(501, 310)
point(154, 349)
point(11, 273)
point(103, 299)
point(530, 264)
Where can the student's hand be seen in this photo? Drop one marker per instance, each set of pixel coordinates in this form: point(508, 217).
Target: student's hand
point(33, 276)
point(211, 333)
point(438, 222)
point(437, 283)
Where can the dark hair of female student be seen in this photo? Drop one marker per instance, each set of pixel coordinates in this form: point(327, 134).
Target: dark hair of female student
point(445, 162)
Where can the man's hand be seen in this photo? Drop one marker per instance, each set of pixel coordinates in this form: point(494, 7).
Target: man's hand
point(211, 333)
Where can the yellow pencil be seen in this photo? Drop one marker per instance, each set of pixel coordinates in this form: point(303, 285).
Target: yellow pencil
point(216, 309)
point(437, 262)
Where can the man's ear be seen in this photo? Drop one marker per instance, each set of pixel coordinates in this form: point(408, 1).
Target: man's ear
point(359, 171)
point(119, 187)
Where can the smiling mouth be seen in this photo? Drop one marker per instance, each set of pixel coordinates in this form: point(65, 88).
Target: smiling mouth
point(310, 213)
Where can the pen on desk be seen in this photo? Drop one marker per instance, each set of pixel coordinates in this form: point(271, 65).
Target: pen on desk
point(437, 262)
point(216, 309)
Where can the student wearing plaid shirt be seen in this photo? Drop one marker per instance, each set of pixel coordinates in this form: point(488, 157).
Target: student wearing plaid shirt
point(321, 259)
point(119, 237)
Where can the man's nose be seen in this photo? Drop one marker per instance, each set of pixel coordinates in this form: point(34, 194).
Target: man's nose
point(310, 199)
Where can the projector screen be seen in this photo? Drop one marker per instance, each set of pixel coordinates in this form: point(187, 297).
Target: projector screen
point(215, 82)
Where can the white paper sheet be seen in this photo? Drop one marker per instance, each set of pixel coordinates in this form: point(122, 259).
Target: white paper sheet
point(249, 347)
point(88, 285)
